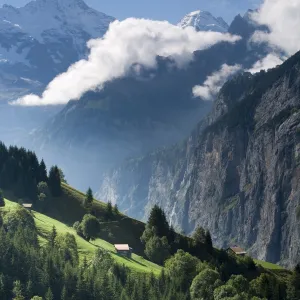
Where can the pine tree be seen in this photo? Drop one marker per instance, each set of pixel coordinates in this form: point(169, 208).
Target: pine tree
point(293, 285)
point(3, 290)
point(88, 201)
point(85, 263)
point(199, 235)
point(52, 237)
point(109, 209)
point(17, 290)
point(158, 220)
point(2, 203)
point(49, 295)
point(54, 182)
point(29, 289)
point(64, 294)
point(208, 241)
point(62, 176)
point(116, 209)
point(42, 177)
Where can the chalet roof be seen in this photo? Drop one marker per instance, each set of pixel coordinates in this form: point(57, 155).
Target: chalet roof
point(122, 247)
point(238, 250)
point(27, 205)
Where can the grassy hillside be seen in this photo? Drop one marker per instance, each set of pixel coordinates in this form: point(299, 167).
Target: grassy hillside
point(68, 208)
point(86, 249)
point(63, 211)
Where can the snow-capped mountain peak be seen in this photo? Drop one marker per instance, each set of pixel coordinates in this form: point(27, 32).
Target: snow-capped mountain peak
point(44, 37)
point(204, 21)
point(63, 16)
point(49, 35)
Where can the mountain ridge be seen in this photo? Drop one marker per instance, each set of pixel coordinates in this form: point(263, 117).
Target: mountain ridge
point(237, 172)
point(37, 42)
point(132, 117)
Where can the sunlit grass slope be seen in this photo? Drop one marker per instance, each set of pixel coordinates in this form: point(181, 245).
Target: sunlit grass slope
point(68, 208)
point(86, 249)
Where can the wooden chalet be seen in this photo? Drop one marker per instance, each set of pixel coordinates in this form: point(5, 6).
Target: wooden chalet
point(123, 250)
point(27, 206)
point(236, 250)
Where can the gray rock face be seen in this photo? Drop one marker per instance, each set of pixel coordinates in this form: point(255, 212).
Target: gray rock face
point(238, 174)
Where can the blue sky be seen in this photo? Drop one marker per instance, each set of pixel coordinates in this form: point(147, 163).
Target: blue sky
point(171, 10)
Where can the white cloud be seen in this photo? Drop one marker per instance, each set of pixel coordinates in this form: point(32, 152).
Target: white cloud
point(283, 19)
point(127, 42)
point(270, 61)
point(214, 82)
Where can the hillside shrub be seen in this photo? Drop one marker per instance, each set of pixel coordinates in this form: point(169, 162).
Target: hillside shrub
point(90, 227)
point(185, 266)
point(157, 249)
point(19, 218)
point(204, 284)
point(77, 228)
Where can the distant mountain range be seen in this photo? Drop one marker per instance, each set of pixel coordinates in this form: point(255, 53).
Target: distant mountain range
point(38, 42)
point(45, 37)
point(137, 114)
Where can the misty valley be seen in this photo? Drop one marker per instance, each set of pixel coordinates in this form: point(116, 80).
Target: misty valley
point(144, 157)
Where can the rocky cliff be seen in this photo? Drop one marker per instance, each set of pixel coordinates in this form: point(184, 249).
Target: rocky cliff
point(238, 174)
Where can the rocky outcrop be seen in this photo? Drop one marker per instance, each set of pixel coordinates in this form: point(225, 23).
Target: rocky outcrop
point(238, 174)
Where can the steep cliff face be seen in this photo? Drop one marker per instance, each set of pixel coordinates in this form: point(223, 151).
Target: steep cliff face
point(238, 174)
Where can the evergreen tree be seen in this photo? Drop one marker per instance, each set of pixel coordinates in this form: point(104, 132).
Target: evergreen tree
point(49, 295)
point(42, 177)
point(208, 241)
point(88, 200)
point(52, 237)
point(54, 182)
point(64, 295)
point(116, 209)
point(2, 203)
point(62, 176)
point(199, 235)
point(293, 286)
point(17, 290)
point(109, 209)
point(29, 288)
point(3, 289)
point(158, 220)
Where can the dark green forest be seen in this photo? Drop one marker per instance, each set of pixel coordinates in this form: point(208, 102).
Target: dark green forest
point(193, 268)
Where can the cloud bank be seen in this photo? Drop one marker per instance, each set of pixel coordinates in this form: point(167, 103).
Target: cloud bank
point(128, 42)
point(214, 82)
point(270, 61)
point(283, 19)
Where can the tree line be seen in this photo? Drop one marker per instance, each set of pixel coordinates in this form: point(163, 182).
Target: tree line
point(22, 173)
point(53, 270)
